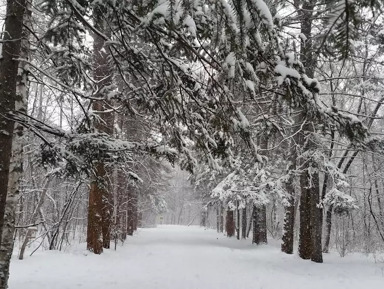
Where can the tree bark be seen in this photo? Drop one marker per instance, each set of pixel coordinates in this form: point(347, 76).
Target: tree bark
point(9, 100)
point(221, 229)
point(238, 222)
point(100, 204)
point(244, 223)
point(131, 211)
point(316, 218)
point(259, 225)
point(230, 224)
point(305, 240)
point(289, 219)
point(328, 227)
point(95, 208)
point(218, 217)
point(11, 49)
point(310, 215)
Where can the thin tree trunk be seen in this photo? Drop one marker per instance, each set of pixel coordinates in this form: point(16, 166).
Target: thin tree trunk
point(305, 240)
point(204, 215)
point(107, 215)
point(221, 217)
point(33, 219)
point(316, 219)
point(218, 217)
point(289, 219)
point(328, 227)
point(251, 222)
point(130, 223)
point(244, 223)
point(238, 222)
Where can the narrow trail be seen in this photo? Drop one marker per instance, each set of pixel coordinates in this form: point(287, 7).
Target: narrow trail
point(175, 257)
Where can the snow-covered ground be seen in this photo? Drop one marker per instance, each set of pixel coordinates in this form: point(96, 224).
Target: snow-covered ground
point(178, 257)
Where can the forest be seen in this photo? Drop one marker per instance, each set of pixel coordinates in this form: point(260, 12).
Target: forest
point(260, 119)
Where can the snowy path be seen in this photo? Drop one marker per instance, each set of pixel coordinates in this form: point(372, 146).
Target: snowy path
point(173, 257)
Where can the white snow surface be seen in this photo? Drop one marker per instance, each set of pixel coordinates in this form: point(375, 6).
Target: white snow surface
point(176, 257)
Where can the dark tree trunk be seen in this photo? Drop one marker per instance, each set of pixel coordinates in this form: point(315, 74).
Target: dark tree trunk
point(218, 217)
point(11, 49)
point(100, 205)
point(305, 240)
point(221, 229)
point(263, 225)
point(135, 212)
point(230, 224)
point(259, 220)
point(316, 219)
point(290, 209)
point(95, 211)
point(238, 222)
point(310, 215)
point(244, 223)
point(289, 219)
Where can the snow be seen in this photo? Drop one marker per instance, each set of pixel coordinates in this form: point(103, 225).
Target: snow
point(174, 257)
point(284, 72)
point(230, 15)
point(230, 62)
point(190, 23)
point(265, 14)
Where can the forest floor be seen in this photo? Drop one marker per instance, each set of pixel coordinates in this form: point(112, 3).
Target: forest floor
point(176, 257)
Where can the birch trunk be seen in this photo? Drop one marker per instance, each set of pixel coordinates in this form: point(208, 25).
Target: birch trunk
point(13, 82)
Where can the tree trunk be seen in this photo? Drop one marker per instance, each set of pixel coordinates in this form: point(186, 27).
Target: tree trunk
point(310, 215)
point(230, 224)
point(122, 206)
point(238, 222)
point(95, 211)
point(289, 219)
point(328, 227)
point(305, 240)
point(218, 217)
point(100, 204)
point(131, 211)
point(135, 211)
point(107, 216)
point(259, 220)
point(11, 49)
point(221, 218)
point(204, 216)
point(244, 223)
point(10, 99)
point(290, 209)
point(316, 218)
